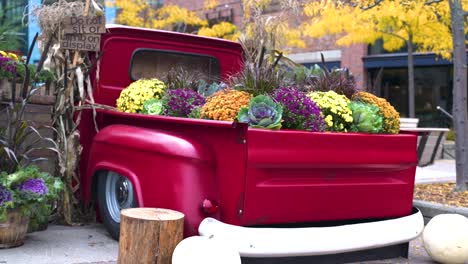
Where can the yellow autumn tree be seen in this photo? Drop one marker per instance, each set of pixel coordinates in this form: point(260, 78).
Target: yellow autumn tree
point(399, 23)
point(139, 13)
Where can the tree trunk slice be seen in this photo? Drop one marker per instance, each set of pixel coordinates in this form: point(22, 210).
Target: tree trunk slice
point(149, 235)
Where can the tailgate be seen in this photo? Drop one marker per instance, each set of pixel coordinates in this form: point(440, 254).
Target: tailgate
point(298, 177)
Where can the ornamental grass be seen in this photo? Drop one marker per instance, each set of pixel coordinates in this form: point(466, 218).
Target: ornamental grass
point(391, 117)
point(335, 110)
point(225, 105)
point(133, 97)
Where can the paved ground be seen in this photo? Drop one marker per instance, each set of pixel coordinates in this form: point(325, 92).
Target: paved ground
point(440, 171)
point(64, 245)
point(92, 245)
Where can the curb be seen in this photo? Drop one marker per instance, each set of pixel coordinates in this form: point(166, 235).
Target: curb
point(429, 209)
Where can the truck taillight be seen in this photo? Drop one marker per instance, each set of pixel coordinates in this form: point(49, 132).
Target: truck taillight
point(209, 207)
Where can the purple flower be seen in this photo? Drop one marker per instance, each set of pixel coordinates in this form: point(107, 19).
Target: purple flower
point(5, 195)
point(299, 111)
point(181, 102)
point(36, 186)
point(7, 66)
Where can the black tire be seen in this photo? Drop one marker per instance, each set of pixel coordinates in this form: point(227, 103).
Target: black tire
point(109, 188)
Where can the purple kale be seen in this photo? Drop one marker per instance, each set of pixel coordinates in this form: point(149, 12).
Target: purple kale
point(5, 195)
point(299, 111)
point(181, 102)
point(36, 186)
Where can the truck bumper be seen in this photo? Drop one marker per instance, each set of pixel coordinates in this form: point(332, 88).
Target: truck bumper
point(291, 242)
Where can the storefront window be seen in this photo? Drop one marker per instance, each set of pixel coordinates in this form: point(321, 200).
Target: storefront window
point(433, 87)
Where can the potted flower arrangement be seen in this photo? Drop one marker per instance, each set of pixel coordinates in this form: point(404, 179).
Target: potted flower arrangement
point(24, 190)
point(13, 71)
point(22, 194)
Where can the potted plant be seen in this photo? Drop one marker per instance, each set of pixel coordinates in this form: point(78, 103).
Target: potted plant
point(39, 218)
point(21, 193)
point(24, 190)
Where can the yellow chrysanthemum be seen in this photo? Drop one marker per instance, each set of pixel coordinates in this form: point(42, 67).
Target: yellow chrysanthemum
point(334, 108)
point(131, 99)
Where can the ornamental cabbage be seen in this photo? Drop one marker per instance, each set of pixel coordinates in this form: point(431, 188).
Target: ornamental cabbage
point(153, 107)
point(366, 118)
point(263, 112)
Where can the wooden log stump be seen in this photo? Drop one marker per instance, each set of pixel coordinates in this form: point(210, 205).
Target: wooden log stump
point(149, 235)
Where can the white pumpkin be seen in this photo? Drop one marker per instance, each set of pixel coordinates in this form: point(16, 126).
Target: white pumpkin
point(202, 250)
point(445, 238)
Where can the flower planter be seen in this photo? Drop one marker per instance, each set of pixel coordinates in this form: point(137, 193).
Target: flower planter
point(13, 229)
point(44, 95)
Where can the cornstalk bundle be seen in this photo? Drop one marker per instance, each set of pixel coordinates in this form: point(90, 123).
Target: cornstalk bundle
point(74, 92)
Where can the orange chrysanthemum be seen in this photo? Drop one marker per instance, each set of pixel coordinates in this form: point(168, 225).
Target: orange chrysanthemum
point(225, 105)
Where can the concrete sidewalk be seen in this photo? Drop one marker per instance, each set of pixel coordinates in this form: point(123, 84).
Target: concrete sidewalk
point(440, 171)
point(64, 245)
point(91, 244)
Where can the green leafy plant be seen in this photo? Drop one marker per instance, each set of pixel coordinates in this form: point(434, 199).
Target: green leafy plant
point(25, 189)
point(44, 76)
point(366, 118)
point(206, 89)
point(262, 112)
point(153, 107)
point(42, 211)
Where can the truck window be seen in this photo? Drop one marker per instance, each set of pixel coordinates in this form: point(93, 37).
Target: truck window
point(156, 63)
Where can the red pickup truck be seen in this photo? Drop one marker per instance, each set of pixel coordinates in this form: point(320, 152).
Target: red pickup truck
point(272, 193)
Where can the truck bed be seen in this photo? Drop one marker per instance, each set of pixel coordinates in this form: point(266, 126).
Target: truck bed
point(265, 177)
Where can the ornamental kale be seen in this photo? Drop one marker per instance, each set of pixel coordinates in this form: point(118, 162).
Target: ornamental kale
point(29, 190)
point(366, 118)
point(5, 195)
point(181, 102)
point(263, 112)
point(153, 107)
point(35, 186)
point(299, 111)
